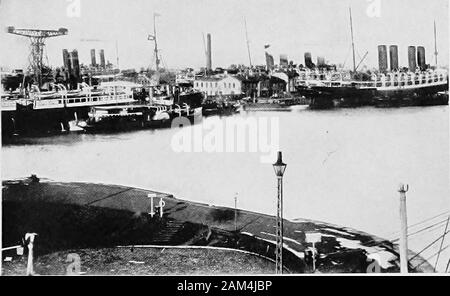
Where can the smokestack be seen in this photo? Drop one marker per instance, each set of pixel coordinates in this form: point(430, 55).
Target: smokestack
point(66, 60)
point(284, 60)
point(93, 61)
point(75, 64)
point(269, 61)
point(308, 60)
point(421, 58)
point(382, 58)
point(208, 52)
point(393, 53)
point(67, 64)
point(412, 58)
point(321, 62)
point(102, 58)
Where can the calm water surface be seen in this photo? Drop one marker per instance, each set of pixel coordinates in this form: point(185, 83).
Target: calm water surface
point(344, 166)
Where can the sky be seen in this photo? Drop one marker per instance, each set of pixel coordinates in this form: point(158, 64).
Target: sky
point(291, 27)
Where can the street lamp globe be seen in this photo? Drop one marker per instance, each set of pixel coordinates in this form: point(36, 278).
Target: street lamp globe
point(279, 167)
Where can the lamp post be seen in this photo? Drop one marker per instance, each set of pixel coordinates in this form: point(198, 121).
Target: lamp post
point(403, 229)
point(279, 168)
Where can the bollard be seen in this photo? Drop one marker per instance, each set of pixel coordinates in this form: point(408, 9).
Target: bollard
point(162, 204)
point(403, 229)
point(313, 237)
point(30, 237)
point(152, 208)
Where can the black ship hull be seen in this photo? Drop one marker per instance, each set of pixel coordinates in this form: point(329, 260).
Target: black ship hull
point(114, 125)
point(329, 97)
point(214, 108)
point(127, 124)
point(28, 121)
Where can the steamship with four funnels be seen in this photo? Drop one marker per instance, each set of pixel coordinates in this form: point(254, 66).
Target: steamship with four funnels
point(419, 84)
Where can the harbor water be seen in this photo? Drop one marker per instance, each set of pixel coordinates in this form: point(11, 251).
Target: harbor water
point(344, 167)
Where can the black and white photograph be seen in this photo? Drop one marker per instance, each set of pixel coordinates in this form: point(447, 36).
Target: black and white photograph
point(224, 138)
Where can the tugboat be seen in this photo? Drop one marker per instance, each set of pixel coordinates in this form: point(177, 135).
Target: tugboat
point(126, 117)
point(214, 107)
point(275, 103)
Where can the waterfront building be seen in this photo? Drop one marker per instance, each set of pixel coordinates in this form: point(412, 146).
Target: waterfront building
point(288, 77)
point(226, 85)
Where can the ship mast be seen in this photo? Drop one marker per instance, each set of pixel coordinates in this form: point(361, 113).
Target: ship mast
point(206, 51)
point(353, 42)
point(117, 54)
point(248, 43)
point(435, 45)
point(156, 42)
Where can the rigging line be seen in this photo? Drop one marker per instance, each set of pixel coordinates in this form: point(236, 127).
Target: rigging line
point(437, 253)
point(426, 235)
point(442, 242)
point(428, 259)
point(385, 243)
point(421, 222)
point(359, 56)
point(426, 220)
point(424, 249)
point(448, 264)
point(426, 230)
point(423, 229)
point(373, 243)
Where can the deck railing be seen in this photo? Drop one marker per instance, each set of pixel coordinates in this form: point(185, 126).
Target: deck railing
point(400, 79)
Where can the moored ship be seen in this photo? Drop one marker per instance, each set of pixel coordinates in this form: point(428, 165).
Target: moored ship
point(395, 88)
point(34, 111)
point(418, 84)
point(125, 117)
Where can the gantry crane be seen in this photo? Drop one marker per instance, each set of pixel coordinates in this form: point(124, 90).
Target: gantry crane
point(37, 38)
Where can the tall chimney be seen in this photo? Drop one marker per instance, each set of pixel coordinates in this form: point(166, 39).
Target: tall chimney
point(284, 60)
point(421, 58)
point(382, 58)
point(102, 58)
point(269, 61)
point(67, 64)
point(393, 53)
point(412, 58)
point(93, 61)
point(308, 60)
point(208, 52)
point(321, 62)
point(75, 64)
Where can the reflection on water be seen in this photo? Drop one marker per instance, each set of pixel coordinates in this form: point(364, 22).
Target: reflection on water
point(344, 166)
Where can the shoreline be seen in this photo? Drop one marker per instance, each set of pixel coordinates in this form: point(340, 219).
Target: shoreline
point(341, 249)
